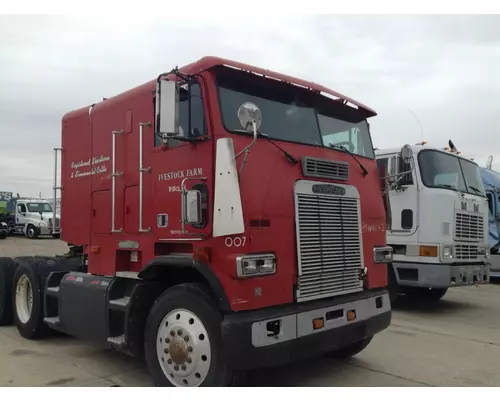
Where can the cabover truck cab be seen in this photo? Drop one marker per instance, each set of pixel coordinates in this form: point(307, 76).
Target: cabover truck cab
point(35, 217)
point(491, 181)
point(223, 226)
point(438, 221)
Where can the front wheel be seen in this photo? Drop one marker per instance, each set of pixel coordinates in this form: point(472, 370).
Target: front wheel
point(31, 232)
point(352, 349)
point(426, 294)
point(183, 339)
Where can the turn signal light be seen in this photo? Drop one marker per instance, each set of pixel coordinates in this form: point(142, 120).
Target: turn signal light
point(428, 251)
point(318, 323)
point(351, 315)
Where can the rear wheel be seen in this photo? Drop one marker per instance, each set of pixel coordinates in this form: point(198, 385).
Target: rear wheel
point(28, 303)
point(352, 349)
point(183, 339)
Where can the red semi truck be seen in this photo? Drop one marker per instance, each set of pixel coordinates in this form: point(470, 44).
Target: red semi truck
point(222, 218)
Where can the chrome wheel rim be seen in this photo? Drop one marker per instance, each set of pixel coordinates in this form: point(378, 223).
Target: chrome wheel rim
point(24, 299)
point(183, 348)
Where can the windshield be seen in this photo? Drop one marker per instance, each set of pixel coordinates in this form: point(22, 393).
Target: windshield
point(293, 114)
point(39, 207)
point(448, 171)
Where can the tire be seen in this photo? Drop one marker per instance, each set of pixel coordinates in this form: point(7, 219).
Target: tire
point(426, 294)
point(189, 309)
point(31, 232)
point(351, 350)
point(26, 284)
point(7, 269)
point(392, 284)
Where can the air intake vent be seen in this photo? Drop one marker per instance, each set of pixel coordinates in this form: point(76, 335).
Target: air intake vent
point(321, 168)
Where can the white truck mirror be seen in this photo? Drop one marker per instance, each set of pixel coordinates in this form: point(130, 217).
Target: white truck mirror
point(167, 108)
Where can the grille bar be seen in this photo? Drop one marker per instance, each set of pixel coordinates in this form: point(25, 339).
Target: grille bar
point(329, 241)
point(469, 226)
point(466, 252)
point(321, 168)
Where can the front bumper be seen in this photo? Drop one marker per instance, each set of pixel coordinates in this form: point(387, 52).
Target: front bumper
point(247, 344)
point(44, 230)
point(441, 275)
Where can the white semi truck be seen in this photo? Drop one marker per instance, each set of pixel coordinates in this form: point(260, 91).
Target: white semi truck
point(438, 221)
point(35, 217)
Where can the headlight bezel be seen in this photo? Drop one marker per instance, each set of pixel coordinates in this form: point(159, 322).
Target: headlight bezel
point(265, 265)
point(383, 254)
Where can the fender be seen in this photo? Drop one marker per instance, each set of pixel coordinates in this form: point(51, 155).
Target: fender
point(165, 267)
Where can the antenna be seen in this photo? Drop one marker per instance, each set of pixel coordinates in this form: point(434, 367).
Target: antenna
point(419, 124)
point(489, 162)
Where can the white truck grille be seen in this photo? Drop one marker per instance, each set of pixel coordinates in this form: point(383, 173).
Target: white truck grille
point(328, 239)
point(469, 226)
point(58, 222)
point(466, 252)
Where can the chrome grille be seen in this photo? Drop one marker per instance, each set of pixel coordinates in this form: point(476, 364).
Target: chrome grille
point(321, 168)
point(466, 252)
point(329, 243)
point(469, 226)
point(58, 222)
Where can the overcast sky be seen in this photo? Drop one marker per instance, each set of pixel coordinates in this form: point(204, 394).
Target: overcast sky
point(442, 68)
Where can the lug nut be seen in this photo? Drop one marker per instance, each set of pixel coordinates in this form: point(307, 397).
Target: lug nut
point(179, 332)
point(165, 351)
point(190, 349)
point(186, 338)
point(183, 367)
point(176, 367)
point(169, 361)
point(189, 360)
point(167, 340)
point(172, 333)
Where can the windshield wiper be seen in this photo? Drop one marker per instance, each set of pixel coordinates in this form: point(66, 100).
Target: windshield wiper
point(342, 148)
point(289, 157)
point(476, 190)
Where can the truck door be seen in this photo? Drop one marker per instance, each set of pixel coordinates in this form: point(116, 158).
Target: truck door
point(21, 213)
point(176, 162)
point(403, 198)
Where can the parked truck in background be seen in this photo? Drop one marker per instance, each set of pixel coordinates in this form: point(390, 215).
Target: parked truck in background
point(28, 216)
point(222, 218)
point(438, 221)
point(491, 181)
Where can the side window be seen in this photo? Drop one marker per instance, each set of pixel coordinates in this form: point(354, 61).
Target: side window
point(383, 165)
point(405, 168)
point(191, 114)
point(22, 208)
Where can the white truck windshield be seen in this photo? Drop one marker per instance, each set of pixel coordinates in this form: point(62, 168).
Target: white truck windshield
point(39, 207)
point(439, 169)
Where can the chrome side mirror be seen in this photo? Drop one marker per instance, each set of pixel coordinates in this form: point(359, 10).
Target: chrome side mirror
point(167, 109)
point(191, 207)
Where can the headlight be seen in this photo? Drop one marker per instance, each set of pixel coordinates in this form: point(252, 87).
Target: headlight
point(447, 252)
point(483, 251)
point(248, 266)
point(382, 255)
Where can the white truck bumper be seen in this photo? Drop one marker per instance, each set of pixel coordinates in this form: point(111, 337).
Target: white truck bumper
point(441, 275)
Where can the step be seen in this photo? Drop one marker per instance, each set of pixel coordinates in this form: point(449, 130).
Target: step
point(116, 340)
point(53, 289)
point(51, 320)
point(122, 302)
